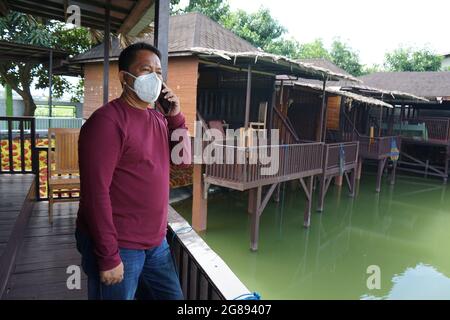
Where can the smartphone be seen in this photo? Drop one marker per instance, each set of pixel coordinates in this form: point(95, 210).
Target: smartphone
point(164, 103)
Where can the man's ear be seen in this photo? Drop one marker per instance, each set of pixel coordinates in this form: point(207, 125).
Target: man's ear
point(122, 78)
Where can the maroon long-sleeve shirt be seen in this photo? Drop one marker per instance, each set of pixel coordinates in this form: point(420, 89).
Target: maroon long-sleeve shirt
point(124, 159)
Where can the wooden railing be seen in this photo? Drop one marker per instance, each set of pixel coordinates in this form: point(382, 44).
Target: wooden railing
point(17, 145)
point(245, 170)
point(437, 128)
point(203, 274)
point(332, 154)
point(22, 151)
point(377, 147)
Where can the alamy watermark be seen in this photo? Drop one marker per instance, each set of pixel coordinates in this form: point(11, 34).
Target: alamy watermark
point(374, 280)
point(213, 146)
point(73, 281)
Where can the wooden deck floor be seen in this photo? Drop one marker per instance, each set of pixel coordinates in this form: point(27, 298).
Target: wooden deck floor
point(13, 190)
point(46, 251)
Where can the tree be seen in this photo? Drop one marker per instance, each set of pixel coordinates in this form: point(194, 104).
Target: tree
point(345, 57)
point(371, 69)
point(410, 59)
point(22, 28)
point(314, 50)
point(259, 28)
point(285, 47)
point(215, 9)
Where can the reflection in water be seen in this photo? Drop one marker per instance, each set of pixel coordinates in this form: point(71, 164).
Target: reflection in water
point(419, 283)
point(405, 225)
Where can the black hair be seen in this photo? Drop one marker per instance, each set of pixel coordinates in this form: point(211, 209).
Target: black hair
point(129, 53)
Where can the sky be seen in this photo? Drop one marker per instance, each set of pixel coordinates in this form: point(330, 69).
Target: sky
point(370, 27)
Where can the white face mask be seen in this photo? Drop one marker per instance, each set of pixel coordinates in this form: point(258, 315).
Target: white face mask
point(147, 87)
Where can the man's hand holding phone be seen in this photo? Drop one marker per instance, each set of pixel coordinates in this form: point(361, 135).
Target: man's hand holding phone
point(168, 102)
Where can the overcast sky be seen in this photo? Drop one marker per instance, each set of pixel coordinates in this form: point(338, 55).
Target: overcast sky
point(370, 27)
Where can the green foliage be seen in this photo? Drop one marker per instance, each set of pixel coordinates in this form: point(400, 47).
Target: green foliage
point(314, 50)
point(371, 69)
point(410, 59)
point(22, 28)
point(345, 57)
point(285, 47)
point(259, 28)
point(215, 9)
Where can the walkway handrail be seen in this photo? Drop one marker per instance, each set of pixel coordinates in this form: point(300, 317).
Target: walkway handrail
point(203, 274)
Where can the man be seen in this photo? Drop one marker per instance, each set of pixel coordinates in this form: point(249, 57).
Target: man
point(124, 158)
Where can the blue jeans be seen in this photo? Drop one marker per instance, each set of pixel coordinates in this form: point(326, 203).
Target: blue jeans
point(148, 274)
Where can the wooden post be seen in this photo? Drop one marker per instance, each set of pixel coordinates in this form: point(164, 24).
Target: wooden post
point(199, 203)
point(322, 191)
point(394, 170)
point(381, 164)
point(446, 164)
point(272, 106)
point(248, 97)
point(276, 198)
point(50, 83)
point(359, 168)
point(338, 180)
point(353, 183)
point(381, 121)
point(161, 37)
point(321, 134)
point(307, 214)
point(256, 215)
point(251, 200)
point(106, 45)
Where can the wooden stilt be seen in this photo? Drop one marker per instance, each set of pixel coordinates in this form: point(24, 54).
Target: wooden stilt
point(359, 169)
point(199, 201)
point(338, 180)
point(276, 197)
point(394, 170)
point(259, 203)
point(255, 217)
point(352, 185)
point(381, 164)
point(307, 187)
point(322, 184)
point(446, 165)
point(251, 200)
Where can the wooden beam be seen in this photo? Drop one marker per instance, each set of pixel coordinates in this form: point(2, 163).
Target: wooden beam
point(199, 203)
point(135, 15)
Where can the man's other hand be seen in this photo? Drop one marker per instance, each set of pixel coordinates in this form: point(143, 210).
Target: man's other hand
point(112, 276)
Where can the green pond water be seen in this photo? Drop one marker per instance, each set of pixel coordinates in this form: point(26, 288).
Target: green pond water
point(403, 234)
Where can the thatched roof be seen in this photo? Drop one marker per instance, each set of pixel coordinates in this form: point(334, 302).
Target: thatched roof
point(336, 91)
point(325, 63)
point(272, 63)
